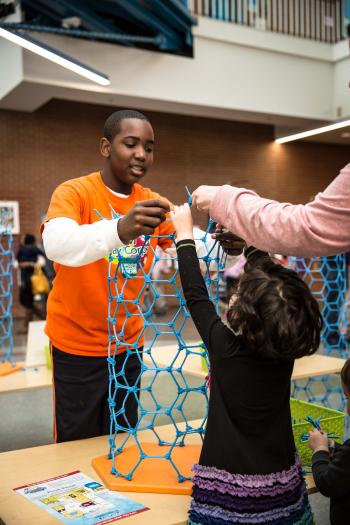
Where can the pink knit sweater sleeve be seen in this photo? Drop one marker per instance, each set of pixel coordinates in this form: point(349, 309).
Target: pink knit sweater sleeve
point(321, 227)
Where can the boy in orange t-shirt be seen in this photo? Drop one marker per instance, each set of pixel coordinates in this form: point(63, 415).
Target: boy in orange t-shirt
point(80, 243)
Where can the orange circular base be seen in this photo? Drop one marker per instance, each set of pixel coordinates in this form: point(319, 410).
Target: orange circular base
point(153, 474)
point(9, 368)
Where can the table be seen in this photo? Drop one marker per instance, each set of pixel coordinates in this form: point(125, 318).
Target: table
point(309, 366)
point(41, 377)
point(26, 379)
point(317, 365)
point(21, 467)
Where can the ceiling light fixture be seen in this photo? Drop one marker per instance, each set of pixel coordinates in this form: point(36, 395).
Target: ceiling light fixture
point(311, 132)
point(45, 51)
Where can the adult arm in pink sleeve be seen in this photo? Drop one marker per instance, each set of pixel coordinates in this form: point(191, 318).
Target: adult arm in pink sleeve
point(321, 227)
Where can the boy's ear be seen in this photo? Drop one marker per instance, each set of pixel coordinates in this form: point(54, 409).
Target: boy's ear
point(105, 147)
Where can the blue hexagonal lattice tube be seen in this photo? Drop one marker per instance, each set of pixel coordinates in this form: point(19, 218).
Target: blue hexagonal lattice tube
point(171, 405)
point(156, 405)
point(6, 286)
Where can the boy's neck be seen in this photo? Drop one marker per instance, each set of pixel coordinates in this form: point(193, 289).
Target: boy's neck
point(114, 184)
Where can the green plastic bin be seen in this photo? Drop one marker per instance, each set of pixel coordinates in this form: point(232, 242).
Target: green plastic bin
point(332, 421)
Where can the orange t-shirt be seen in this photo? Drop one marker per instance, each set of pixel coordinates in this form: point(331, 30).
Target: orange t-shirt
point(77, 308)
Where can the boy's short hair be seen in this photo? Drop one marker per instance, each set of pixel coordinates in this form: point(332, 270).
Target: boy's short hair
point(112, 124)
point(274, 313)
point(345, 375)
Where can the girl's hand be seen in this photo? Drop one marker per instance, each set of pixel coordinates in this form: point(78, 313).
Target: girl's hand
point(318, 440)
point(183, 222)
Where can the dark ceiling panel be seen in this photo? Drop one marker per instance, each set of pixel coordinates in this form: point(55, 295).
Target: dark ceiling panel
point(161, 25)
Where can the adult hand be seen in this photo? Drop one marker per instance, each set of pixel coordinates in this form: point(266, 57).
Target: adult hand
point(142, 219)
point(202, 197)
point(318, 440)
point(229, 242)
point(183, 222)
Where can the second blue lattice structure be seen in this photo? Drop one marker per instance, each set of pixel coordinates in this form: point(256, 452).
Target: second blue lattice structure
point(326, 277)
point(6, 287)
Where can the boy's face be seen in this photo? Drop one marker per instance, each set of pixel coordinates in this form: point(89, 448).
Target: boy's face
point(130, 153)
point(347, 395)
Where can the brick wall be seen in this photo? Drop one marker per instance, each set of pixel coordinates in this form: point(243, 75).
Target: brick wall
point(61, 141)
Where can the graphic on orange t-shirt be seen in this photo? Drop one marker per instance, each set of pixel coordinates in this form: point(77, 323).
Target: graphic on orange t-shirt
point(78, 304)
point(130, 257)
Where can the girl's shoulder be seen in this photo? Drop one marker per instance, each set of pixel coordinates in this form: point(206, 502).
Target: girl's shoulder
point(237, 349)
point(246, 359)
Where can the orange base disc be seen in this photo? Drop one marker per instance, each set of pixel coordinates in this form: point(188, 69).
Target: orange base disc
point(153, 474)
point(8, 368)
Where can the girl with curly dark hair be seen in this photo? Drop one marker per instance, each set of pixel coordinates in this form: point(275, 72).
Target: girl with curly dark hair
point(249, 471)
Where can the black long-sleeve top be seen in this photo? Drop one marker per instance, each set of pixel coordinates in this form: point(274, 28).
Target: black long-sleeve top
point(249, 428)
point(332, 478)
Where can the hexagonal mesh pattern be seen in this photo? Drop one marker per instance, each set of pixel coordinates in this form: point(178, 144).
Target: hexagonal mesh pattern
point(326, 277)
point(169, 405)
point(327, 280)
point(6, 285)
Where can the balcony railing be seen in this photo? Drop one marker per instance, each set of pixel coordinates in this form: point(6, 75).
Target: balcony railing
point(321, 20)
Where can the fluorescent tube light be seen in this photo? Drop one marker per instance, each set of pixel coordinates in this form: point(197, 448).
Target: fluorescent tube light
point(311, 132)
point(45, 51)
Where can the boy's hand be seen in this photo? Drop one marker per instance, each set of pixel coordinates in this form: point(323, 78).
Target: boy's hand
point(229, 242)
point(183, 222)
point(142, 219)
point(318, 440)
point(203, 196)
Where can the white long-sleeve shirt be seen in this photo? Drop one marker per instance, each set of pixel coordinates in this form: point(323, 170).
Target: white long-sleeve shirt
point(71, 244)
point(68, 243)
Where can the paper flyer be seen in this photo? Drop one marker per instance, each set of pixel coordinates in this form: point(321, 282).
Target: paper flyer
point(76, 499)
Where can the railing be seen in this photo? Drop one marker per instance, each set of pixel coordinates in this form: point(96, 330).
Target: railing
point(321, 20)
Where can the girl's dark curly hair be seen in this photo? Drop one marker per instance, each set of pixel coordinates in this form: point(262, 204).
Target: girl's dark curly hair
point(274, 312)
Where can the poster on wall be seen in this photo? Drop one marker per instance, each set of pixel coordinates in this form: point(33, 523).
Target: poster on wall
point(9, 217)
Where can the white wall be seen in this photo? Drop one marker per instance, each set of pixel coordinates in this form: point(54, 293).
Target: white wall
point(11, 63)
point(341, 80)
